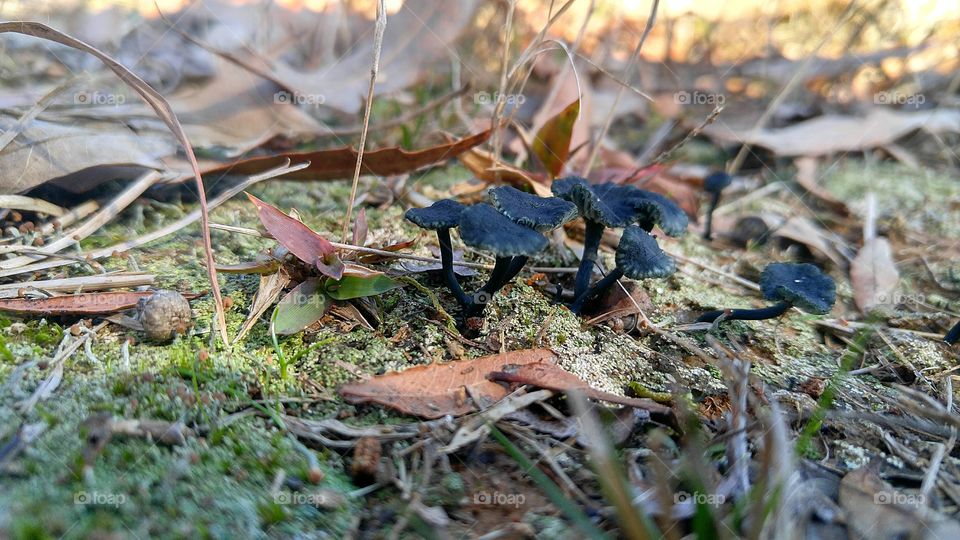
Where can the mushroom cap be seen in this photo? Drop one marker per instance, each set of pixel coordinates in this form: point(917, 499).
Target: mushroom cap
point(657, 209)
point(608, 204)
point(443, 214)
point(802, 285)
point(717, 181)
point(640, 257)
point(540, 213)
point(482, 227)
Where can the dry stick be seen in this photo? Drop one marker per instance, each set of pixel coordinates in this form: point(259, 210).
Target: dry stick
point(381, 26)
point(99, 282)
point(499, 98)
point(392, 254)
point(30, 204)
point(627, 73)
point(794, 81)
point(101, 218)
point(165, 113)
point(164, 231)
point(72, 216)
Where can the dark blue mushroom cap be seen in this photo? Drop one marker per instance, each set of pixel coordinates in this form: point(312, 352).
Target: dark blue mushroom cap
point(540, 213)
point(609, 204)
point(802, 285)
point(657, 209)
point(443, 214)
point(615, 205)
point(717, 181)
point(482, 227)
point(640, 257)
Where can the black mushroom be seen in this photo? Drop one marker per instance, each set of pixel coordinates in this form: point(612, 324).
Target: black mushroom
point(714, 184)
point(442, 216)
point(953, 334)
point(638, 257)
point(483, 227)
point(615, 206)
point(788, 284)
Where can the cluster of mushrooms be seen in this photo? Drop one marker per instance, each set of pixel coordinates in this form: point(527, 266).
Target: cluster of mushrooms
point(511, 226)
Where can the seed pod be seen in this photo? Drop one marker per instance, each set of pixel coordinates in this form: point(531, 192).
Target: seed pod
point(164, 315)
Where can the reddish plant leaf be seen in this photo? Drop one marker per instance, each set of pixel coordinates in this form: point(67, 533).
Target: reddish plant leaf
point(441, 389)
point(552, 142)
point(554, 377)
point(301, 240)
point(78, 304)
point(340, 163)
point(360, 228)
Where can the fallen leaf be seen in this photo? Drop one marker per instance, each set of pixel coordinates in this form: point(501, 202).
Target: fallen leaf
point(77, 304)
point(830, 134)
point(482, 164)
point(803, 231)
point(807, 178)
point(875, 509)
point(874, 275)
point(339, 163)
point(419, 34)
point(437, 390)
point(553, 377)
point(551, 144)
point(271, 286)
point(360, 228)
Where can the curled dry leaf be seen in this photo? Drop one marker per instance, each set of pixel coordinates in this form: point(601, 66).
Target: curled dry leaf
point(339, 163)
point(874, 275)
point(807, 178)
point(454, 388)
point(78, 304)
point(553, 377)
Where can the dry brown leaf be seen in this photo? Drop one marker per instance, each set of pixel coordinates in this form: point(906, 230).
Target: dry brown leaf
point(805, 232)
point(420, 33)
point(553, 377)
point(440, 389)
point(807, 178)
point(482, 165)
point(835, 133)
point(269, 291)
point(874, 275)
point(77, 304)
point(876, 510)
point(340, 163)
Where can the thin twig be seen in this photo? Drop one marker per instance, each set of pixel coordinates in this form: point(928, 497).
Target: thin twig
point(381, 26)
point(627, 73)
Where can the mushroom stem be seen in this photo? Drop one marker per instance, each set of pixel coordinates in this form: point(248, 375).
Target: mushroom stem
point(953, 335)
point(516, 265)
point(591, 243)
point(497, 276)
point(598, 289)
point(708, 226)
point(747, 314)
point(446, 262)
